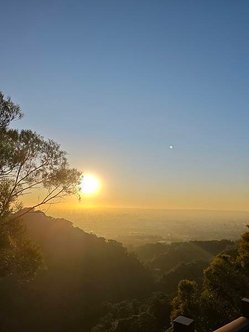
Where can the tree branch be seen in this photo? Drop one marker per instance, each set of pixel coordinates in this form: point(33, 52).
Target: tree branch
point(46, 200)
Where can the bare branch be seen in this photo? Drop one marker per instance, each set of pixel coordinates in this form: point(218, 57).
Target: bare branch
point(46, 200)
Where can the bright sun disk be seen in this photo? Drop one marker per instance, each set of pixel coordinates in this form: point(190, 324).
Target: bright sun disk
point(90, 184)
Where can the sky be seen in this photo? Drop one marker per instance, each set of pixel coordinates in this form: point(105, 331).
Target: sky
point(152, 96)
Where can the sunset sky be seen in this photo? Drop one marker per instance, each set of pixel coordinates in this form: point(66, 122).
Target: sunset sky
point(150, 96)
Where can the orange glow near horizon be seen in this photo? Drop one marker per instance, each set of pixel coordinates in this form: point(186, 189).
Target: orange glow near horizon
point(101, 193)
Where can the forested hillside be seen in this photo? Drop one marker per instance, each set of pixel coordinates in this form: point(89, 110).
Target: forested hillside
point(80, 271)
point(87, 283)
point(170, 263)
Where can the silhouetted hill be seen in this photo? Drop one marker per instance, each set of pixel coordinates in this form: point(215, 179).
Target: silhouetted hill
point(81, 271)
point(164, 257)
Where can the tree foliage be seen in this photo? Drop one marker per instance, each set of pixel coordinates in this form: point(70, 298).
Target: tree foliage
point(8, 111)
point(151, 315)
point(217, 300)
point(185, 303)
point(27, 162)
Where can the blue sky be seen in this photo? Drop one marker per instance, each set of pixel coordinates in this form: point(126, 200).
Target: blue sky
point(118, 82)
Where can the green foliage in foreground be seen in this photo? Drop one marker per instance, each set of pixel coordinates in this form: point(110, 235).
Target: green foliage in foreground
point(217, 300)
point(149, 315)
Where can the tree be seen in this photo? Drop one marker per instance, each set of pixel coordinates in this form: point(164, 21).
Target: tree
point(27, 162)
point(244, 251)
point(185, 303)
point(8, 111)
point(225, 282)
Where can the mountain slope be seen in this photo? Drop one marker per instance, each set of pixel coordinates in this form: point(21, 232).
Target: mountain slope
point(81, 271)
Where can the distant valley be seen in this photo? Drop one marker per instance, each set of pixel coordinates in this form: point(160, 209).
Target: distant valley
point(134, 227)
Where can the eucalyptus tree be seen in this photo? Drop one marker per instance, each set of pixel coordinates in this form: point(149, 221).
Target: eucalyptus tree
point(28, 162)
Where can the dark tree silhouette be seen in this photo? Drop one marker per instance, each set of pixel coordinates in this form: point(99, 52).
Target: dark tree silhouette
point(28, 161)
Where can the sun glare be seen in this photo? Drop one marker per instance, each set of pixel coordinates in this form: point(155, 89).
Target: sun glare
point(90, 185)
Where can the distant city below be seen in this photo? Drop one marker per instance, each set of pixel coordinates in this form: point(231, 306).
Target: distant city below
point(140, 226)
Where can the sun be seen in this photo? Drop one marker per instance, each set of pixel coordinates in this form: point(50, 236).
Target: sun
point(90, 184)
